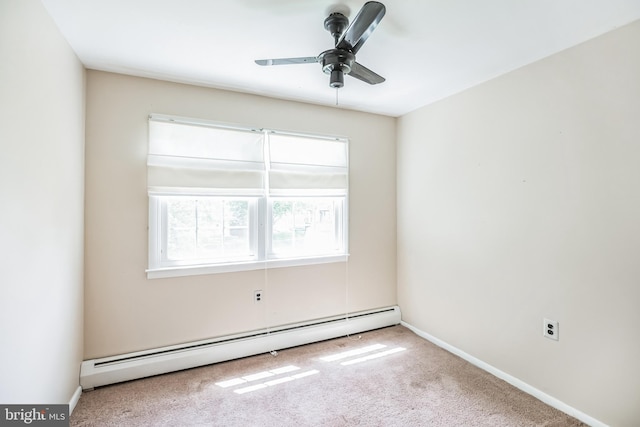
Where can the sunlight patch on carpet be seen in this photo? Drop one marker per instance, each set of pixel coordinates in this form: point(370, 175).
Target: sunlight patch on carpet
point(351, 353)
point(373, 356)
point(231, 383)
point(245, 379)
point(257, 376)
point(274, 382)
point(244, 390)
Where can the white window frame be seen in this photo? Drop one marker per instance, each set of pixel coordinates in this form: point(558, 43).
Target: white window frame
point(260, 229)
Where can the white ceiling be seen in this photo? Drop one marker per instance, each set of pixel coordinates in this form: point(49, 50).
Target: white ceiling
point(426, 49)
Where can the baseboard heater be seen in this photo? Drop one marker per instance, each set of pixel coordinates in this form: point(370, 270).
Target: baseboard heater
point(125, 367)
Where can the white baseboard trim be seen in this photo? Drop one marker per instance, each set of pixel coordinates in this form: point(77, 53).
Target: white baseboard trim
point(540, 395)
point(74, 400)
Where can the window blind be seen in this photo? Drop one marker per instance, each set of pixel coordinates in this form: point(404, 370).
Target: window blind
point(187, 156)
point(307, 163)
point(184, 157)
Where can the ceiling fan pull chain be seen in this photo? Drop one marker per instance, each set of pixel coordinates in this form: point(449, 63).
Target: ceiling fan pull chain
point(337, 96)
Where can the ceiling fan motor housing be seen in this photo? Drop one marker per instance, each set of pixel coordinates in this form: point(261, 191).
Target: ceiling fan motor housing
point(337, 63)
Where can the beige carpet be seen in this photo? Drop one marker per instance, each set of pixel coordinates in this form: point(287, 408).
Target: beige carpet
point(398, 379)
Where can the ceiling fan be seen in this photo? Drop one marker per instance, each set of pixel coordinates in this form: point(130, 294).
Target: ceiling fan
point(349, 39)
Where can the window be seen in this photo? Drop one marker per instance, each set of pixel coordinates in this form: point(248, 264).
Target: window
point(206, 229)
point(306, 226)
point(227, 199)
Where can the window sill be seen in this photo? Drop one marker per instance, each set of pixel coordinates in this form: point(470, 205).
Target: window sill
point(160, 273)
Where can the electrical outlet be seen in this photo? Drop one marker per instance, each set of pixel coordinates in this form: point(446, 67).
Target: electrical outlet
point(550, 329)
point(257, 296)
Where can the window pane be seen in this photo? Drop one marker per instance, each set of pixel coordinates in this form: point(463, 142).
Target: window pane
point(306, 226)
point(207, 228)
point(181, 223)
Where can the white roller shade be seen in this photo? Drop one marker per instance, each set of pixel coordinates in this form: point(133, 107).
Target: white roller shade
point(299, 162)
point(188, 156)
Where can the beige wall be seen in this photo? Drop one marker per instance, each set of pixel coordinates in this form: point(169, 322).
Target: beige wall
point(41, 214)
point(520, 199)
point(126, 312)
